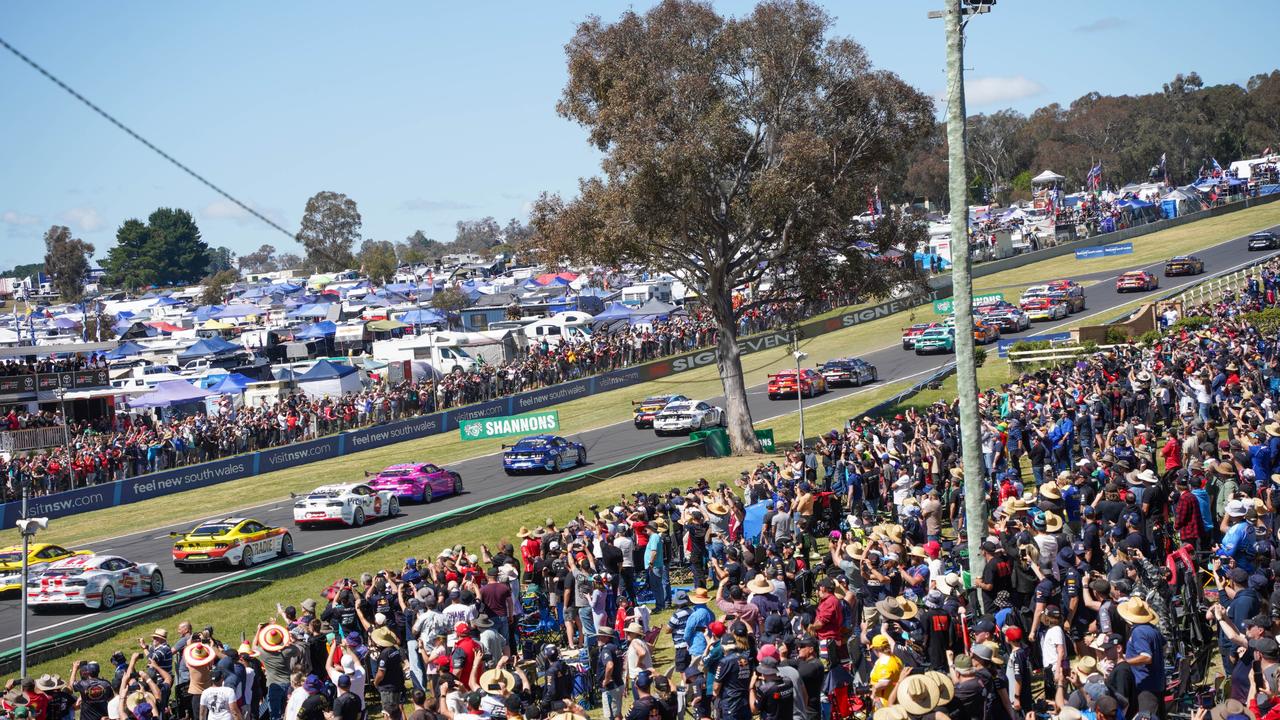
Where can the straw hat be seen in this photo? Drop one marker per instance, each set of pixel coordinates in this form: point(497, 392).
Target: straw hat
point(660, 525)
point(917, 694)
point(897, 608)
point(161, 633)
point(48, 683)
point(272, 638)
point(1273, 429)
point(699, 596)
point(1086, 664)
point(1014, 505)
point(952, 584)
point(523, 532)
point(854, 550)
point(760, 585)
point(1051, 491)
point(498, 677)
point(198, 655)
point(1227, 709)
point(716, 507)
point(633, 628)
point(1052, 523)
point(383, 637)
point(1137, 611)
point(134, 699)
point(946, 688)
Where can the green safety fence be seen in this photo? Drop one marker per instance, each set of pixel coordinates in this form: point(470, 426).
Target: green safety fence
point(99, 629)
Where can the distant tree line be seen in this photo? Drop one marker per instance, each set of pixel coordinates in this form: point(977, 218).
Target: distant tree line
point(1186, 121)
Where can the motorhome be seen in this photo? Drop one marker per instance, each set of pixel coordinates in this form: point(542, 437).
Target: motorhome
point(570, 325)
point(443, 352)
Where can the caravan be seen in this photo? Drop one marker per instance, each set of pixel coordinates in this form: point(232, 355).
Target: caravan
point(442, 352)
point(571, 325)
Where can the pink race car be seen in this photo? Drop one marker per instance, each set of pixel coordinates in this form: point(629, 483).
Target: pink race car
point(419, 482)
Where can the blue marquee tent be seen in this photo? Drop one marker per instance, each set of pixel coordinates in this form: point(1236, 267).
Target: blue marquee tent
point(324, 328)
point(126, 349)
point(206, 347)
point(422, 316)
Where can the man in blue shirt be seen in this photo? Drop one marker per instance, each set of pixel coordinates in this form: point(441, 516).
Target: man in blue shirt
point(1144, 651)
point(1242, 603)
point(699, 619)
point(1237, 542)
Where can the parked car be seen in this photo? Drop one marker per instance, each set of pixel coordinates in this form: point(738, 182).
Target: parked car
point(1137, 281)
point(417, 482)
point(848, 371)
point(809, 383)
point(39, 557)
point(1183, 265)
point(350, 504)
point(647, 409)
point(1264, 240)
point(909, 334)
point(551, 453)
point(934, 340)
point(94, 582)
point(230, 541)
point(687, 416)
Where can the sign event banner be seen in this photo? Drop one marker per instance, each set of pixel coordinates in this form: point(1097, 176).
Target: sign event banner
point(531, 424)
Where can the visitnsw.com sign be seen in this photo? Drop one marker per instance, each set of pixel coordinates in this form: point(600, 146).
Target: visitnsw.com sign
point(513, 408)
point(531, 424)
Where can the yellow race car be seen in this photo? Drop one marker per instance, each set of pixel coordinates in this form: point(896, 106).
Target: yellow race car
point(39, 555)
point(230, 541)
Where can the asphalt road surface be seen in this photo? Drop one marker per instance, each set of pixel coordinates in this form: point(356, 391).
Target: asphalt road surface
point(483, 477)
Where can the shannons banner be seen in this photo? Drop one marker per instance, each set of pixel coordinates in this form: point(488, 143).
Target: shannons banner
point(531, 424)
point(946, 307)
point(1104, 251)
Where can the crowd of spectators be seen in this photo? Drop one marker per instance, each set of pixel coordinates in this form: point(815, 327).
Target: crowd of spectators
point(1131, 546)
point(12, 367)
point(128, 444)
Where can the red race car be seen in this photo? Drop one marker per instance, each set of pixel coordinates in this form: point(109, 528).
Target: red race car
point(1137, 281)
point(809, 383)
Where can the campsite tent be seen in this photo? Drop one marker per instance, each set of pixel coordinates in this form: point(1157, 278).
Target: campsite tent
point(616, 312)
point(322, 329)
point(237, 310)
point(327, 379)
point(124, 350)
point(168, 394)
point(207, 347)
point(230, 384)
point(1048, 177)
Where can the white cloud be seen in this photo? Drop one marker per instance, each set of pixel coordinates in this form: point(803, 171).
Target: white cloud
point(11, 217)
point(226, 210)
point(994, 89)
point(84, 219)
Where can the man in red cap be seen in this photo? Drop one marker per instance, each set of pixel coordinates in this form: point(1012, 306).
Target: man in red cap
point(1018, 669)
point(467, 655)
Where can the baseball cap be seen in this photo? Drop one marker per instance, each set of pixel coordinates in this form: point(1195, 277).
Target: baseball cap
point(716, 627)
point(344, 681)
point(461, 628)
point(644, 680)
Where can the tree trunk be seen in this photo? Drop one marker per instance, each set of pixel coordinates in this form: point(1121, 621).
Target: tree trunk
point(742, 434)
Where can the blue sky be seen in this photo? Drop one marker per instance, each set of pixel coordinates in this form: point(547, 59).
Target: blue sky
point(426, 113)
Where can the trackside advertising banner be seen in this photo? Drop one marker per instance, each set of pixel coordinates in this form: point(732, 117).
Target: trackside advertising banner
point(531, 424)
point(171, 481)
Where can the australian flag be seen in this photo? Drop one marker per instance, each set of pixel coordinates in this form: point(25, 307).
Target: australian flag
point(1094, 178)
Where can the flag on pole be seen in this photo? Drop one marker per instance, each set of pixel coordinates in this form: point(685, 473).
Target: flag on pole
point(1094, 178)
point(1216, 167)
point(1164, 173)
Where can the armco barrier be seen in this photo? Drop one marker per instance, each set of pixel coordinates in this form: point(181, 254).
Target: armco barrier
point(171, 481)
point(241, 582)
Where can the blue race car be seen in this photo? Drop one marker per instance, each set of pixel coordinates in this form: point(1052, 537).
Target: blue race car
point(551, 453)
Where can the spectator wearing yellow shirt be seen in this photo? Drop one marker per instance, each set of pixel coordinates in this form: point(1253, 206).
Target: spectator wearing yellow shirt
point(885, 671)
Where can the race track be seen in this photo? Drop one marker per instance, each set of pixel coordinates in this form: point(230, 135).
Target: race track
point(483, 476)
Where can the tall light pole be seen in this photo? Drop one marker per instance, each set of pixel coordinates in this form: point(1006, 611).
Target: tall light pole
point(975, 501)
point(28, 528)
point(61, 393)
point(799, 355)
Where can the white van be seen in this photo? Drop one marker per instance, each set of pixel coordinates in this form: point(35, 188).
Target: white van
point(571, 325)
point(442, 351)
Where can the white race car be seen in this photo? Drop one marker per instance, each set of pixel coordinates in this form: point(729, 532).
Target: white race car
point(98, 582)
point(351, 504)
point(687, 416)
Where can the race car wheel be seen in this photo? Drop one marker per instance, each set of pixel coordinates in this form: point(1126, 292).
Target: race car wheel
point(108, 598)
point(875, 375)
point(582, 457)
point(558, 465)
point(427, 496)
point(457, 486)
point(724, 420)
point(156, 586)
point(286, 545)
point(246, 558)
point(393, 508)
point(357, 518)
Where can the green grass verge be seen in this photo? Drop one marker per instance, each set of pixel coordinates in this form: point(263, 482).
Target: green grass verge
point(615, 406)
